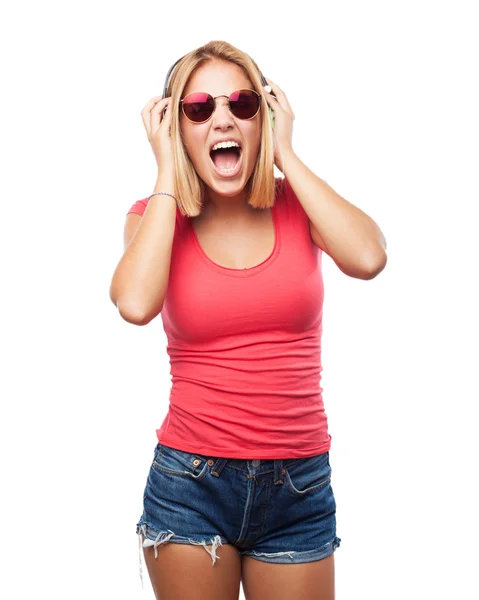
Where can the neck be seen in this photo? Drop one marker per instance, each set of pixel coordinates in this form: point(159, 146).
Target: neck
point(226, 207)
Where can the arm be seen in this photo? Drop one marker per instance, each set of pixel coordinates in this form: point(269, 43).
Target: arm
point(347, 234)
point(140, 280)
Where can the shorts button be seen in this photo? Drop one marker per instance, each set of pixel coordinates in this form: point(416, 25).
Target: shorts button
point(211, 462)
point(256, 463)
point(196, 462)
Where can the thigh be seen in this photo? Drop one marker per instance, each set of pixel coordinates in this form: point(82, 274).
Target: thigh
point(273, 581)
point(186, 572)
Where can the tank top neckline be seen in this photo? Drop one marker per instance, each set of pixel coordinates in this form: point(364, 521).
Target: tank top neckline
point(248, 271)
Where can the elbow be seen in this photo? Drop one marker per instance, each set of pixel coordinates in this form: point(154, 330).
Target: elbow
point(375, 265)
point(136, 310)
point(132, 317)
point(366, 269)
point(130, 312)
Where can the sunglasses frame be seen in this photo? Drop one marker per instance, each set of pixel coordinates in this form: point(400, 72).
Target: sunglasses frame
point(229, 107)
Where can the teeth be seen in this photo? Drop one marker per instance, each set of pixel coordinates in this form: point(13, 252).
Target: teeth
point(225, 145)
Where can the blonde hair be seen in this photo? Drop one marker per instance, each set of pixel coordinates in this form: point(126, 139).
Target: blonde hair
point(190, 188)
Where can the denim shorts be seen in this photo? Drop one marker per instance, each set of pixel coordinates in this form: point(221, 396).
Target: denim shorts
point(277, 510)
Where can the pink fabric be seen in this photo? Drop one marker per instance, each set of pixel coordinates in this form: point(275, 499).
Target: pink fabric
point(245, 345)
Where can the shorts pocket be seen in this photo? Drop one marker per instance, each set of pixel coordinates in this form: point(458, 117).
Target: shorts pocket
point(308, 475)
point(179, 463)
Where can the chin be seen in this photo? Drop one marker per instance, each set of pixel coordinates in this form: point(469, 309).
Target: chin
point(231, 193)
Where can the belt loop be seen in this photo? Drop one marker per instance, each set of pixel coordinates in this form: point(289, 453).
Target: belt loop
point(217, 466)
point(278, 471)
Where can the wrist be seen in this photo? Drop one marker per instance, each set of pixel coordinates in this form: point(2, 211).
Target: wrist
point(165, 182)
point(163, 194)
point(165, 175)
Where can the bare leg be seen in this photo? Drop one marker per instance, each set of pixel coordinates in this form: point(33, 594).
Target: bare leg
point(273, 581)
point(186, 572)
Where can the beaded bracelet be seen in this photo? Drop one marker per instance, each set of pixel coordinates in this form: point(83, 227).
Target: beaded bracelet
point(162, 193)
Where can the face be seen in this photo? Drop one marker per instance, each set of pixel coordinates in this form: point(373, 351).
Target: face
point(217, 78)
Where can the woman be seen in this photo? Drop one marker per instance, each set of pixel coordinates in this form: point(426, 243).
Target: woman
point(231, 259)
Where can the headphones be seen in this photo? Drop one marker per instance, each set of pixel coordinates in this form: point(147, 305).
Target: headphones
point(263, 82)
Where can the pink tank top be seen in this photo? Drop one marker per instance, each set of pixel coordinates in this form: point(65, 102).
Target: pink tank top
point(245, 345)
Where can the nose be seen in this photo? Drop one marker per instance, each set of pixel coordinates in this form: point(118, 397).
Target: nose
point(222, 115)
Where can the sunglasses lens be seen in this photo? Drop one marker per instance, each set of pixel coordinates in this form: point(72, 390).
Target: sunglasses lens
point(198, 107)
point(244, 104)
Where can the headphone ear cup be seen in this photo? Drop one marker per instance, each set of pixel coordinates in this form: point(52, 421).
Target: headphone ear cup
point(271, 117)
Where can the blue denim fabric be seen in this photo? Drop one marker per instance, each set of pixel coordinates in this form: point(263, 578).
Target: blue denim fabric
point(278, 510)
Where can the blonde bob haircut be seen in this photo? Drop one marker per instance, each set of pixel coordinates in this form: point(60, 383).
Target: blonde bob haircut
point(190, 188)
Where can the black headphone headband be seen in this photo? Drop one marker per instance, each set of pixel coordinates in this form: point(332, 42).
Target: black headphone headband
point(263, 79)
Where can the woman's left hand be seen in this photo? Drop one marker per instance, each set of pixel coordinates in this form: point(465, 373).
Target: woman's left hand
point(283, 122)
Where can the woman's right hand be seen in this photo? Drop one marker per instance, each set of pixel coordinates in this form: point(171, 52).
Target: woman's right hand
point(158, 132)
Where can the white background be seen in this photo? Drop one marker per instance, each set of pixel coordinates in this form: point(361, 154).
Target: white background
point(385, 97)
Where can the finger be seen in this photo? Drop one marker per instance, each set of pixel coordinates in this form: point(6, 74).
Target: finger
point(157, 114)
point(278, 92)
point(280, 95)
point(271, 94)
point(271, 99)
point(272, 84)
point(145, 113)
point(149, 105)
point(156, 102)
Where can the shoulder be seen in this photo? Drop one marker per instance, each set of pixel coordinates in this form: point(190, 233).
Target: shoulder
point(286, 195)
point(138, 207)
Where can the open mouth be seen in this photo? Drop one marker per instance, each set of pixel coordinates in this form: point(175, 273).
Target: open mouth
point(227, 161)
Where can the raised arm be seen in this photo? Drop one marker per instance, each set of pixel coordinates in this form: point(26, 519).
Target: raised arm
point(140, 280)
